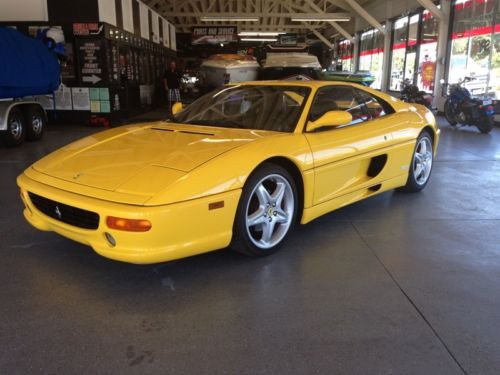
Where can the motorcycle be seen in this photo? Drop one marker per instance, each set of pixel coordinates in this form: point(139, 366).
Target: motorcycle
point(461, 108)
point(410, 93)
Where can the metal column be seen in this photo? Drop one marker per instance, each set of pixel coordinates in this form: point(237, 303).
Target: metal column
point(442, 49)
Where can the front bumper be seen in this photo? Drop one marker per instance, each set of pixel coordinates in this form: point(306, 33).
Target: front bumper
point(178, 230)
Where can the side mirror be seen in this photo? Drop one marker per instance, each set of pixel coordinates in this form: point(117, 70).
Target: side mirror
point(176, 108)
point(331, 118)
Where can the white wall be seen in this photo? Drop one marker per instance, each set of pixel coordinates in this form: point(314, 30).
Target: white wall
point(29, 10)
point(166, 33)
point(156, 28)
point(173, 44)
point(107, 11)
point(128, 19)
point(143, 10)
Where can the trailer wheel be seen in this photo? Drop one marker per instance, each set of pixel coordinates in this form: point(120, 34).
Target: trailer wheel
point(16, 129)
point(35, 123)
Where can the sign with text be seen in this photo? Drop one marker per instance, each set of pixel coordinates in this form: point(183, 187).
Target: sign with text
point(288, 39)
point(85, 29)
point(214, 34)
point(91, 59)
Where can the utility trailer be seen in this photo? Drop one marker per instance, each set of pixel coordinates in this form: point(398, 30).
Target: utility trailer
point(21, 119)
point(27, 68)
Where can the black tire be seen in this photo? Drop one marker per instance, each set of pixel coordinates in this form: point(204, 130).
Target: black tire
point(244, 238)
point(413, 184)
point(448, 113)
point(16, 129)
point(35, 123)
point(485, 125)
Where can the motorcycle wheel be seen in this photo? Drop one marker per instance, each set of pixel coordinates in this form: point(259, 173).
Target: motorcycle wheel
point(448, 113)
point(485, 124)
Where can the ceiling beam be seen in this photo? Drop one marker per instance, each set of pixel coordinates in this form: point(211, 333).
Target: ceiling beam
point(431, 7)
point(367, 16)
point(338, 3)
point(260, 27)
point(256, 14)
point(335, 25)
point(320, 36)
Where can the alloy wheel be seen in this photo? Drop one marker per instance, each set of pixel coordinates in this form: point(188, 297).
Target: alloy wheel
point(422, 161)
point(270, 211)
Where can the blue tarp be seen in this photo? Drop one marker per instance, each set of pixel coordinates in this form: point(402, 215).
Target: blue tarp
point(27, 66)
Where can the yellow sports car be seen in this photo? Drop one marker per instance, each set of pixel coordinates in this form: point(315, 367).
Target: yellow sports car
point(238, 167)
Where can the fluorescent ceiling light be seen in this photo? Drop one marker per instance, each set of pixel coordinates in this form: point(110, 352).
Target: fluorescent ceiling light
point(260, 33)
point(228, 18)
point(259, 39)
point(319, 19)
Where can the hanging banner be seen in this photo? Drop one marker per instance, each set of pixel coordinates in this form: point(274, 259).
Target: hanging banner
point(214, 34)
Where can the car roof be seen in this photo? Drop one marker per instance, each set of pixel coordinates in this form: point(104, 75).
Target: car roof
point(312, 84)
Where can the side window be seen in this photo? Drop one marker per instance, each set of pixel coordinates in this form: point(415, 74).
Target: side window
point(338, 98)
point(372, 106)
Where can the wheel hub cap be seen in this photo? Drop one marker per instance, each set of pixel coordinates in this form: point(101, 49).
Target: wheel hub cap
point(422, 161)
point(270, 211)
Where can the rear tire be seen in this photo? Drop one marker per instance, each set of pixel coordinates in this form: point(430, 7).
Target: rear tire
point(485, 125)
point(421, 164)
point(35, 123)
point(266, 212)
point(448, 113)
point(16, 129)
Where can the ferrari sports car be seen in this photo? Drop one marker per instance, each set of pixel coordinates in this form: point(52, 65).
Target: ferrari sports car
point(236, 168)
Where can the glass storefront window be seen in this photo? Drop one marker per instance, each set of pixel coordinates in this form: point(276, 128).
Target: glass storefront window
point(427, 52)
point(345, 54)
point(399, 39)
point(411, 49)
point(474, 45)
point(495, 60)
point(372, 54)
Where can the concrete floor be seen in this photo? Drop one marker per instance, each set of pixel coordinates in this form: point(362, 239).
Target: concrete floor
point(397, 284)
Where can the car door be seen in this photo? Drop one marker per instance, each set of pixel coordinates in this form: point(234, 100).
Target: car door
point(352, 157)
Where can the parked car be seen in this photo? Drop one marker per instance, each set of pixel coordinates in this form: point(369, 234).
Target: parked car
point(238, 167)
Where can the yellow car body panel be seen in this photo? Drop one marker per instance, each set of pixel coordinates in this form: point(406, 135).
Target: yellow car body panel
point(172, 174)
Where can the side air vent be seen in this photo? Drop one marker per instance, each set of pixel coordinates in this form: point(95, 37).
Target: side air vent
point(375, 187)
point(376, 165)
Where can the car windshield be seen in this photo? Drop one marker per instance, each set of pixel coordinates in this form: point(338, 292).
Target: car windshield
point(275, 108)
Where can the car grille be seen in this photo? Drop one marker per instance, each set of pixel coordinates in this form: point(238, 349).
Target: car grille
point(67, 214)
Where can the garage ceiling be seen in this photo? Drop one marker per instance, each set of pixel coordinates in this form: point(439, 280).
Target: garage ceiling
point(272, 15)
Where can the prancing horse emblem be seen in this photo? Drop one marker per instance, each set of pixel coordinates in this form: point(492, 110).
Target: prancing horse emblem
point(77, 176)
point(58, 212)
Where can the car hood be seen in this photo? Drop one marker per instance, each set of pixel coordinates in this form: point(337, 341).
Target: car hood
point(142, 159)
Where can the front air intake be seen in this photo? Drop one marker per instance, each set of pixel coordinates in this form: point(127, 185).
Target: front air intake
point(67, 214)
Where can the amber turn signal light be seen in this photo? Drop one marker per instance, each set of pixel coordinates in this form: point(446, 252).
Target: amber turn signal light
point(130, 225)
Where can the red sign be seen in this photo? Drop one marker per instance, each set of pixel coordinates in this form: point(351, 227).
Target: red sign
point(83, 29)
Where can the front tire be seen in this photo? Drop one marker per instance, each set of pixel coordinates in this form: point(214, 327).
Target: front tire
point(448, 113)
point(421, 164)
point(16, 129)
point(485, 125)
point(266, 212)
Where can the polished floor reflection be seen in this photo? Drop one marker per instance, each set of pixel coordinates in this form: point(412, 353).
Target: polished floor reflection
point(403, 284)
